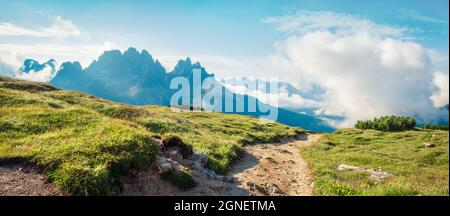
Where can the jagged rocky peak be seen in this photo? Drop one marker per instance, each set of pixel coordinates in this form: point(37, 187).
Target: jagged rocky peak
point(183, 64)
point(70, 76)
point(185, 68)
point(110, 55)
point(147, 55)
point(67, 71)
point(71, 66)
point(197, 65)
point(131, 54)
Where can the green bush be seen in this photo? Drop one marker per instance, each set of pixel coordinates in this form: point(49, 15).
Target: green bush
point(387, 123)
point(435, 127)
point(182, 179)
point(172, 140)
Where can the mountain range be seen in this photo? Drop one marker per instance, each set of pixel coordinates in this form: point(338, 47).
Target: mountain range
point(137, 78)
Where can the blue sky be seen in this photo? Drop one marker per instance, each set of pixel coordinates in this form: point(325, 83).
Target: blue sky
point(230, 28)
point(372, 58)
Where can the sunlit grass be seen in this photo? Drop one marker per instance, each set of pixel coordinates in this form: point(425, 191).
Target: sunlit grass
point(85, 143)
point(417, 170)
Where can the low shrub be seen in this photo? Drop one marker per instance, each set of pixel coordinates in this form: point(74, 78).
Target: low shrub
point(182, 179)
point(172, 140)
point(435, 127)
point(387, 123)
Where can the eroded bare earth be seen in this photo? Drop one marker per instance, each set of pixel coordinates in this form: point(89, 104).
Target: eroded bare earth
point(265, 169)
point(276, 168)
point(18, 179)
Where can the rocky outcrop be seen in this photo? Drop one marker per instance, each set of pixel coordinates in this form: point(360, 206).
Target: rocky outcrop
point(376, 175)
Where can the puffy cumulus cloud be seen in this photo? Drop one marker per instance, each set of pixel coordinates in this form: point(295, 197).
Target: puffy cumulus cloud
point(14, 54)
point(44, 75)
point(440, 97)
point(366, 69)
point(60, 28)
point(285, 96)
point(50, 46)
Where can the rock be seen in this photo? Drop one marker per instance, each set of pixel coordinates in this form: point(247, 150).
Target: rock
point(229, 179)
point(378, 175)
point(203, 159)
point(271, 160)
point(160, 159)
point(261, 189)
point(250, 185)
point(276, 189)
point(342, 167)
point(429, 145)
point(175, 155)
point(166, 166)
point(284, 151)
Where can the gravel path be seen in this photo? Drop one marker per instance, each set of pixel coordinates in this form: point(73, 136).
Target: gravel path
point(276, 168)
point(265, 169)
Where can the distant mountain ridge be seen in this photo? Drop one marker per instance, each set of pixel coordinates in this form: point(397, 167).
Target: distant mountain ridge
point(137, 78)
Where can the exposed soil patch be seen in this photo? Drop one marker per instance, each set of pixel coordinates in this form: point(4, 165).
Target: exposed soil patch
point(264, 169)
point(276, 168)
point(20, 179)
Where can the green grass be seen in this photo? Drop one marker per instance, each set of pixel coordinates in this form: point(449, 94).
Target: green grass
point(417, 170)
point(181, 179)
point(220, 136)
point(85, 143)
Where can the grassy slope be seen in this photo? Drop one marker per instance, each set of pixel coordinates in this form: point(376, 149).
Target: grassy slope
point(417, 170)
point(86, 143)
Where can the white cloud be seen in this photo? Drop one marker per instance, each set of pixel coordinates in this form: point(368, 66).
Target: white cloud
point(285, 98)
point(85, 53)
point(44, 75)
point(412, 14)
point(367, 69)
point(9, 29)
point(13, 54)
point(60, 28)
point(440, 96)
point(302, 22)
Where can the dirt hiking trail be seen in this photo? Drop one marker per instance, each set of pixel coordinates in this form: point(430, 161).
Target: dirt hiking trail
point(276, 168)
point(264, 169)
